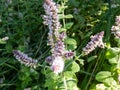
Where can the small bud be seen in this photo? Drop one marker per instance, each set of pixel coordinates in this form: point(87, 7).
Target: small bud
point(49, 60)
point(69, 54)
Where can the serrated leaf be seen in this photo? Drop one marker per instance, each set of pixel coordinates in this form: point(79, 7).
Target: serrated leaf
point(101, 76)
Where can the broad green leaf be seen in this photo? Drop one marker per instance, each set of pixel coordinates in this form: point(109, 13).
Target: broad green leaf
point(68, 74)
point(114, 60)
point(75, 67)
point(101, 76)
point(70, 41)
point(112, 52)
point(71, 66)
point(72, 44)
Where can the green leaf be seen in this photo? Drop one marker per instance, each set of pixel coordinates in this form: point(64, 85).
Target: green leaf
point(68, 25)
point(75, 67)
point(70, 41)
point(62, 30)
point(81, 61)
point(2, 42)
point(72, 44)
point(101, 76)
point(68, 74)
point(117, 40)
point(91, 58)
point(69, 16)
point(112, 52)
point(61, 16)
point(110, 82)
point(71, 66)
point(114, 60)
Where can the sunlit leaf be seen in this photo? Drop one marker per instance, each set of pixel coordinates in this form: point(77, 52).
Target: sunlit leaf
point(102, 75)
point(112, 52)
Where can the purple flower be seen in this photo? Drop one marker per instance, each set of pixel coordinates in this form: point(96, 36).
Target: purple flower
point(49, 60)
point(116, 28)
point(55, 38)
point(96, 41)
point(57, 65)
point(24, 59)
point(69, 54)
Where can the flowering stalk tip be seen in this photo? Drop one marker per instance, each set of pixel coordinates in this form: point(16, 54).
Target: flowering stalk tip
point(24, 59)
point(116, 28)
point(55, 38)
point(96, 41)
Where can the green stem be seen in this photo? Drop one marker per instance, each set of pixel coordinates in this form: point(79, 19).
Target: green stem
point(65, 84)
point(109, 22)
point(63, 4)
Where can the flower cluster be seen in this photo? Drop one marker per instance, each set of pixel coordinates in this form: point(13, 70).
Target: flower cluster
point(55, 39)
point(96, 41)
point(57, 65)
point(52, 20)
point(24, 59)
point(116, 29)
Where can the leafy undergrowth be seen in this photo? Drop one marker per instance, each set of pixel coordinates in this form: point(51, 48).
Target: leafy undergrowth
point(92, 35)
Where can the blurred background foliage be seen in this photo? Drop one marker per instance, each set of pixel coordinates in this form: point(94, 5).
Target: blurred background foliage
point(21, 21)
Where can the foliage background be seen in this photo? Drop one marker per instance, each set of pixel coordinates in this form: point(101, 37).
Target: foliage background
point(21, 21)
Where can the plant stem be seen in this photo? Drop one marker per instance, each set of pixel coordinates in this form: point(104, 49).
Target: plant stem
point(65, 84)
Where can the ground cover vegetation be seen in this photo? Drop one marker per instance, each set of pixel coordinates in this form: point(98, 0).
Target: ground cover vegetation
point(59, 45)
